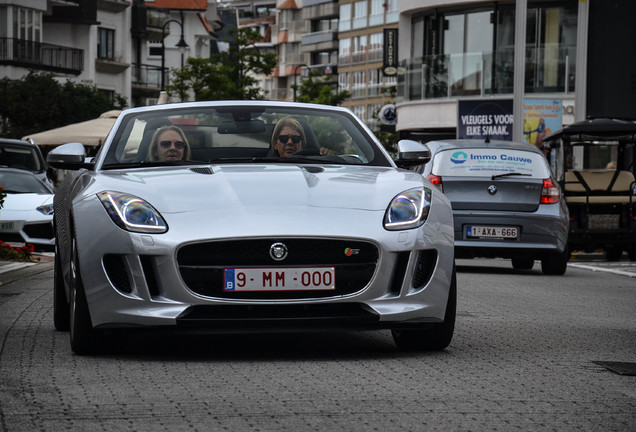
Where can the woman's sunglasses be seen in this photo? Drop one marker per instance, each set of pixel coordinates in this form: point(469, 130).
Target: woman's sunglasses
point(296, 139)
point(178, 144)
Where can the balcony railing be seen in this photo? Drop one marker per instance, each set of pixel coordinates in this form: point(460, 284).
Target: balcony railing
point(42, 56)
point(548, 70)
point(146, 75)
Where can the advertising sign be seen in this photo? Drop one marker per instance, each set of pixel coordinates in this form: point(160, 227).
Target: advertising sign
point(541, 117)
point(485, 119)
point(390, 55)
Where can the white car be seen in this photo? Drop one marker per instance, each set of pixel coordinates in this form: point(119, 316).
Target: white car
point(26, 215)
point(236, 232)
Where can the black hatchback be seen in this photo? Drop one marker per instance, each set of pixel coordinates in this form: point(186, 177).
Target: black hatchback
point(26, 155)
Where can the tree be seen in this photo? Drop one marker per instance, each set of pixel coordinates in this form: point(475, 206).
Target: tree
point(320, 89)
point(38, 102)
point(226, 75)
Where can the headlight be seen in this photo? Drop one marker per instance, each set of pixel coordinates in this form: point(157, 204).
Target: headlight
point(132, 213)
point(46, 209)
point(408, 209)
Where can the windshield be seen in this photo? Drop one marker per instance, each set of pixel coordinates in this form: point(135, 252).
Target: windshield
point(244, 133)
point(487, 162)
point(17, 182)
point(19, 157)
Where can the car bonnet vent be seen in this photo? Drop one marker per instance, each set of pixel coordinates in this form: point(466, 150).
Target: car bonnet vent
point(203, 170)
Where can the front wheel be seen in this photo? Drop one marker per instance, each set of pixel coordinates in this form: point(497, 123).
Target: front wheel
point(435, 337)
point(83, 336)
point(61, 314)
point(613, 253)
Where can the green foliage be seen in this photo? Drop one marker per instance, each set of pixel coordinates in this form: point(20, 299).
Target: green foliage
point(38, 102)
point(225, 75)
point(320, 89)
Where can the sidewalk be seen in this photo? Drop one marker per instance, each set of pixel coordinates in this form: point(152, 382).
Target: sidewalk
point(13, 270)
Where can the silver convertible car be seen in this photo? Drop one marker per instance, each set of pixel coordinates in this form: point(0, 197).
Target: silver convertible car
point(250, 217)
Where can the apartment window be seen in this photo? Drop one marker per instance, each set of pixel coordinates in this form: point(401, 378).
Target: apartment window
point(392, 12)
point(27, 24)
point(359, 49)
point(376, 47)
point(106, 44)
point(360, 14)
point(344, 51)
point(344, 23)
point(343, 81)
point(359, 110)
point(359, 85)
point(324, 25)
point(376, 16)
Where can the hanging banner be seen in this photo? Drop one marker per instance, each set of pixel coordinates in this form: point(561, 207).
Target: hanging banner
point(390, 55)
point(481, 119)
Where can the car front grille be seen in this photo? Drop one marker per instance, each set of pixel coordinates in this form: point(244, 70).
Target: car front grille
point(40, 230)
point(202, 265)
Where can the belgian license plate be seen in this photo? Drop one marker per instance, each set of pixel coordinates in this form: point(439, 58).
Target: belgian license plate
point(6, 226)
point(495, 232)
point(280, 279)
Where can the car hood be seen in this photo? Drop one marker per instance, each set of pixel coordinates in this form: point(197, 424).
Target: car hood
point(174, 190)
point(25, 201)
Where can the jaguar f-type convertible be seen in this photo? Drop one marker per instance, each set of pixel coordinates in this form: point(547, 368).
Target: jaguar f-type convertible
point(250, 216)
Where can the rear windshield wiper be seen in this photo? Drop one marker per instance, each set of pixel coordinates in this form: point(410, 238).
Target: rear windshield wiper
point(509, 174)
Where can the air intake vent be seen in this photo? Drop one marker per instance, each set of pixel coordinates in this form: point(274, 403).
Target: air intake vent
point(424, 268)
point(204, 170)
point(115, 267)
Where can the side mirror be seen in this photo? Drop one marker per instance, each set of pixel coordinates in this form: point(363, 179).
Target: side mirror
point(412, 153)
point(71, 156)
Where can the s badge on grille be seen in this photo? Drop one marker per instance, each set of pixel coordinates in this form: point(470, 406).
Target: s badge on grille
point(492, 189)
point(278, 251)
point(349, 251)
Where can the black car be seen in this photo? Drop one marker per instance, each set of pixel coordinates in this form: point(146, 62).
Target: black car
point(26, 155)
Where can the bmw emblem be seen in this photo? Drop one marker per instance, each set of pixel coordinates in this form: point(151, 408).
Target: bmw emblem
point(492, 189)
point(278, 251)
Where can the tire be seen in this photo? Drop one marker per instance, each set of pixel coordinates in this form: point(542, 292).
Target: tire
point(432, 338)
point(556, 264)
point(83, 336)
point(522, 263)
point(613, 253)
point(61, 312)
point(631, 253)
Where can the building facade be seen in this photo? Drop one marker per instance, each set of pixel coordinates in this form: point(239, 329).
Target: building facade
point(455, 51)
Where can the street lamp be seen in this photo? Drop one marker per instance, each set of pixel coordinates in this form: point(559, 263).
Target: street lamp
point(182, 45)
point(295, 78)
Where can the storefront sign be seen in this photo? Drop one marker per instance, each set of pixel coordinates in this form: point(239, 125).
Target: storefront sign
point(483, 119)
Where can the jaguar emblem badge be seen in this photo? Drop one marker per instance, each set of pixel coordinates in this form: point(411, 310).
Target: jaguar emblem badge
point(278, 251)
point(492, 189)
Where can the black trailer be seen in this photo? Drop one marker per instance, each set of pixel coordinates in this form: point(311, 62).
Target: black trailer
point(594, 162)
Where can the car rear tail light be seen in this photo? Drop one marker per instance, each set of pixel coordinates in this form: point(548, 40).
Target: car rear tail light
point(436, 181)
point(551, 193)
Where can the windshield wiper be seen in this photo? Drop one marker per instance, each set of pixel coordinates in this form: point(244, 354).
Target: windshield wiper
point(509, 174)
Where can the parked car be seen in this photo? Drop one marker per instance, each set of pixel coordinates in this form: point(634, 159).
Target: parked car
point(26, 215)
point(505, 202)
point(595, 163)
point(25, 155)
point(239, 238)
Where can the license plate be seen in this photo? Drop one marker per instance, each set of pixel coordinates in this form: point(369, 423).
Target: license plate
point(6, 226)
point(280, 279)
point(495, 232)
point(603, 221)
